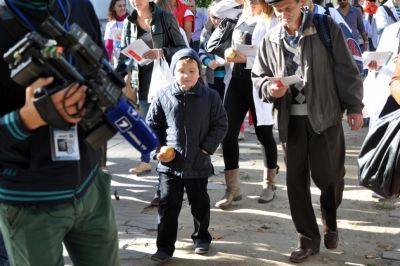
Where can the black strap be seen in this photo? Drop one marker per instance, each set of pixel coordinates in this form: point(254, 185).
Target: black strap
point(389, 12)
point(327, 12)
point(324, 33)
point(170, 39)
point(128, 29)
point(48, 112)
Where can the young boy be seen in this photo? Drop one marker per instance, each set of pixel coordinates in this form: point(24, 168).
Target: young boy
point(188, 117)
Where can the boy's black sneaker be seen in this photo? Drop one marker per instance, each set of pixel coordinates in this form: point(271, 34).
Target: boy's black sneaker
point(201, 248)
point(161, 256)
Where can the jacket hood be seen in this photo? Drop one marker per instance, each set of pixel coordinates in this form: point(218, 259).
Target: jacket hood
point(184, 53)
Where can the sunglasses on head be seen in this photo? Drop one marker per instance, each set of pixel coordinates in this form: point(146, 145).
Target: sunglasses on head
point(214, 17)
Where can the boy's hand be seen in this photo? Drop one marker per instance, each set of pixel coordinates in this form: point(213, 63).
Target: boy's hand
point(277, 89)
point(166, 154)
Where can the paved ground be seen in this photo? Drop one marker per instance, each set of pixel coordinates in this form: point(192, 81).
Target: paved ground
point(252, 233)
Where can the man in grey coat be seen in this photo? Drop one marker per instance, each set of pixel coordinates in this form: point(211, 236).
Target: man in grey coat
point(310, 115)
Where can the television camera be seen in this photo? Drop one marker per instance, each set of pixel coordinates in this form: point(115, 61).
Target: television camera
point(107, 109)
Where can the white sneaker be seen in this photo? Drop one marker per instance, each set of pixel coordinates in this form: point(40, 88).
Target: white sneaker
point(141, 168)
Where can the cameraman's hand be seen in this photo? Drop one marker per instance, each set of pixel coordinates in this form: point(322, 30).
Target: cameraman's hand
point(29, 114)
point(74, 99)
point(69, 102)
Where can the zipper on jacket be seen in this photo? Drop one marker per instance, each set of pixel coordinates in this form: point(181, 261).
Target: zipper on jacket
point(184, 124)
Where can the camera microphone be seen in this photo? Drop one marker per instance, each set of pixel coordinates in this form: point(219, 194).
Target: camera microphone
point(132, 126)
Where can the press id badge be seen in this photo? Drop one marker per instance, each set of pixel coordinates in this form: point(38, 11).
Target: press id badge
point(64, 144)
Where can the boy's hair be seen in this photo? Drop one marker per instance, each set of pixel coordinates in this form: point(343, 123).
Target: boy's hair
point(187, 60)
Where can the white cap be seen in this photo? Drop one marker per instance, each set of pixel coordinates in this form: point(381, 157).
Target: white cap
point(226, 9)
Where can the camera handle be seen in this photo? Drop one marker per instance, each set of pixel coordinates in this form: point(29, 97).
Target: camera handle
point(47, 110)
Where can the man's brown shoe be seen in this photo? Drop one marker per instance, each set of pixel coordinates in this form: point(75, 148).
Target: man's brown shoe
point(300, 255)
point(331, 239)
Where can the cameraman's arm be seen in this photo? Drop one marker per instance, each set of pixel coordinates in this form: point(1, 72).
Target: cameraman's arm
point(15, 126)
point(67, 102)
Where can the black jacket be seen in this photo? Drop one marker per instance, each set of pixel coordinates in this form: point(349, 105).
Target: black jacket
point(28, 176)
point(165, 34)
point(188, 121)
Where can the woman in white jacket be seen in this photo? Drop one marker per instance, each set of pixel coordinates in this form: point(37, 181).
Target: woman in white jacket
point(257, 17)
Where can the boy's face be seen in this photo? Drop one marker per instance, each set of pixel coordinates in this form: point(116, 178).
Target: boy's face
point(186, 73)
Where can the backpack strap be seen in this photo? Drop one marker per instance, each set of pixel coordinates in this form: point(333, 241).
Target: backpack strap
point(327, 12)
point(389, 12)
point(324, 33)
point(128, 29)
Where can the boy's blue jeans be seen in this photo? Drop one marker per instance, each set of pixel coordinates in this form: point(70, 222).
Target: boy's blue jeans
point(172, 189)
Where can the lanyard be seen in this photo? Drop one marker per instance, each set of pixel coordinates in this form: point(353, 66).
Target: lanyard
point(28, 23)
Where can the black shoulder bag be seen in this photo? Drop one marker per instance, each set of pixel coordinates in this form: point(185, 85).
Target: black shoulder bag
point(379, 160)
point(221, 38)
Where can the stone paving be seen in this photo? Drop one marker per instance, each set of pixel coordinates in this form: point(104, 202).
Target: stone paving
point(250, 233)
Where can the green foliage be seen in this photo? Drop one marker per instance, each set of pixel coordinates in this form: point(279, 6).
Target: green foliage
point(385, 205)
point(203, 3)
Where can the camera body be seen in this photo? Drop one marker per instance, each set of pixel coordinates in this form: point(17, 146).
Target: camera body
point(35, 56)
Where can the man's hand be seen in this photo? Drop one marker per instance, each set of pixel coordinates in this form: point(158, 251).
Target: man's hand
point(153, 54)
point(373, 65)
point(213, 64)
point(239, 57)
point(277, 89)
point(72, 97)
point(355, 121)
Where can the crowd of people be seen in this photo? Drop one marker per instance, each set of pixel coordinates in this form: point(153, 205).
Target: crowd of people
point(247, 48)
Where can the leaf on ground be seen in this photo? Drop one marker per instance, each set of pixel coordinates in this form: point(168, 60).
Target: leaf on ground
point(218, 237)
point(149, 209)
point(266, 227)
point(371, 257)
point(386, 246)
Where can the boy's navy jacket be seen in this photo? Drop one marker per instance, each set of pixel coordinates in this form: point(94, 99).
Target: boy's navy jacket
point(28, 176)
point(188, 121)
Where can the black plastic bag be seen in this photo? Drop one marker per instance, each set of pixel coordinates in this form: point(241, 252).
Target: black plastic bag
point(379, 160)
